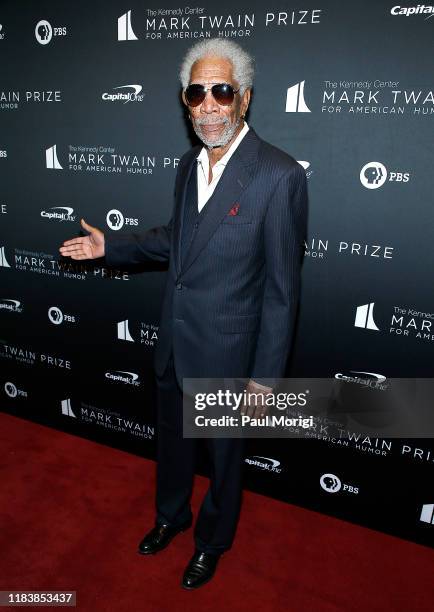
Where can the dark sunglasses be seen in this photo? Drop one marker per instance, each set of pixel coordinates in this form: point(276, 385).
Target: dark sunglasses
point(223, 93)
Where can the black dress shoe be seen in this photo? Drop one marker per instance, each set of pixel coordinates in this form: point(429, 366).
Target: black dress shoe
point(199, 570)
point(160, 536)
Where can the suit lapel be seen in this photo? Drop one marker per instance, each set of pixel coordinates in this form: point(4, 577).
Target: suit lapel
point(235, 178)
point(181, 193)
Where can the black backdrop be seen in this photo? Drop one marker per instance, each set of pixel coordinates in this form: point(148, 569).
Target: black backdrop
point(344, 88)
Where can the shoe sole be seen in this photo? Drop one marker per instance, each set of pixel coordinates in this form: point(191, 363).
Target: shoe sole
point(157, 550)
point(193, 588)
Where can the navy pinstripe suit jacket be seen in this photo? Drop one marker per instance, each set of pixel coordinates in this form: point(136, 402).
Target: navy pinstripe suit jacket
point(229, 310)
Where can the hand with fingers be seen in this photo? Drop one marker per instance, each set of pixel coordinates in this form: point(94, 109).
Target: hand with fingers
point(255, 406)
point(85, 247)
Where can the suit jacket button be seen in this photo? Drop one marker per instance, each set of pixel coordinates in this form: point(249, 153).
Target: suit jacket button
point(179, 286)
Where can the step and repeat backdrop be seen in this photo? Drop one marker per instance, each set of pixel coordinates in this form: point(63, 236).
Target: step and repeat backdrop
point(92, 125)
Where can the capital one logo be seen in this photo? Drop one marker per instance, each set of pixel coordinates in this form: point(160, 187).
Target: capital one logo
point(123, 331)
point(295, 102)
point(128, 378)
point(125, 96)
point(330, 483)
point(373, 175)
point(52, 163)
point(61, 213)
point(3, 260)
point(125, 29)
point(264, 463)
point(365, 317)
point(10, 305)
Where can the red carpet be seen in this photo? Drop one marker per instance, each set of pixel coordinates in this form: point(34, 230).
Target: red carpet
point(73, 512)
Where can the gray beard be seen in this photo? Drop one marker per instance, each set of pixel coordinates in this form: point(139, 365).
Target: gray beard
point(224, 139)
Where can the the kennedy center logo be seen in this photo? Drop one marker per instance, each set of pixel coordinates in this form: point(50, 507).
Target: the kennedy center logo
point(295, 102)
point(52, 163)
point(66, 408)
point(125, 29)
point(427, 514)
point(3, 261)
point(365, 317)
point(123, 331)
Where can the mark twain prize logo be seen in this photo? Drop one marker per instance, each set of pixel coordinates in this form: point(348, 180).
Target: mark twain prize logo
point(193, 23)
point(124, 94)
point(44, 32)
point(359, 97)
point(28, 356)
point(10, 99)
point(105, 159)
point(319, 248)
point(403, 322)
point(47, 263)
point(107, 419)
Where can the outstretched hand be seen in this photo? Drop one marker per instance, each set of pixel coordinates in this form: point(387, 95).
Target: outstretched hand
point(85, 247)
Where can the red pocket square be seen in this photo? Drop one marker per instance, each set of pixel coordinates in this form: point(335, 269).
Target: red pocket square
point(234, 210)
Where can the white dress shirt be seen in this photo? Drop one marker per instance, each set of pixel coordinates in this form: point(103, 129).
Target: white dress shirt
point(205, 190)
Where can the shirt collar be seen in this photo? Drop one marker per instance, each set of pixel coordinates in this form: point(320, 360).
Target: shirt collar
point(202, 158)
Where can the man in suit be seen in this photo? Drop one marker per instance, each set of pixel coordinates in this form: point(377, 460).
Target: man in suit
point(234, 247)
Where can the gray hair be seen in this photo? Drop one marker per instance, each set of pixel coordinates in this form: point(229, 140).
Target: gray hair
point(242, 62)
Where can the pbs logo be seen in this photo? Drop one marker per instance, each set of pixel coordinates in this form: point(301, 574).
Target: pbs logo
point(330, 483)
point(116, 220)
